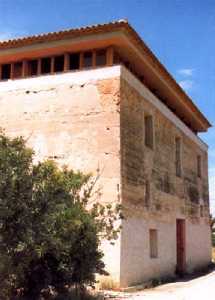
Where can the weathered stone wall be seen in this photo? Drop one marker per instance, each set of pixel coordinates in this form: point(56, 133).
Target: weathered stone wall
point(171, 197)
point(93, 122)
point(74, 119)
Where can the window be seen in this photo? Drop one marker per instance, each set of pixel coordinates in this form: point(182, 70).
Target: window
point(153, 241)
point(201, 211)
point(74, 61)
point(199, 166)
point(149, 131)
point(178, 156)
point(147, 193)
point(101, 57)
point(17, 70)
point(88, 59)
point(116, 58)
point(6, 72)
point(59, 63)
point(32, 67)
point(46, 65)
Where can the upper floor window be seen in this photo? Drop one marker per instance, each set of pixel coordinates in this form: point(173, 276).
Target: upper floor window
point(202, 211)
point(149, 135)
point(88, 59)
point(46, 65)
point(74, 60)
point(5, 71)
point(32, 67)
point(17, 69)
point(59, 63)
point(147, 193)
point(199, 166)
point(101, 57)
point(178, 156)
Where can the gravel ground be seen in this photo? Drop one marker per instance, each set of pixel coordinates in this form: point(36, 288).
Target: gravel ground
point(201, 288)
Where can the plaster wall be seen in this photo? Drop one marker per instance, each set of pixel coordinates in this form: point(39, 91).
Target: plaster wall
point(72, 118)
point(198, 246)
point(136, 264)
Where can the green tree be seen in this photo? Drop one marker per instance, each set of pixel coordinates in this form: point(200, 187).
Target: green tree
point(49, 232)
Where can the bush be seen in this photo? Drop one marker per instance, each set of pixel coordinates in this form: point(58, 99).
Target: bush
point(48, 237)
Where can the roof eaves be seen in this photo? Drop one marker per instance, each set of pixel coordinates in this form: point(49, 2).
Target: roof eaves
point(51, 36)
point(106, 27)
point(168, 77)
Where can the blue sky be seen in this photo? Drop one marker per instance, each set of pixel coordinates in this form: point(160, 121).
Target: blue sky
point(180, 32)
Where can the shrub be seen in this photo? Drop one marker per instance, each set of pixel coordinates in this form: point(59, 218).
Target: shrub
point(48, 237)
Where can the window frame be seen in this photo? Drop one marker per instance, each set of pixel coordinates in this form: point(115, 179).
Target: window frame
point(199, 166)
point(147, 195)
point(9, 65)
point(153, 243)
point(149, 137)
point(178, 159)
point(46, 62)
point(96, 57)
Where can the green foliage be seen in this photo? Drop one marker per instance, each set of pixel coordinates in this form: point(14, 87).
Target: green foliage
point(49, 232)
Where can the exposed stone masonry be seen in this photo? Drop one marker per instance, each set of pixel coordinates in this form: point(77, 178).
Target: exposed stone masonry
point(140, 163)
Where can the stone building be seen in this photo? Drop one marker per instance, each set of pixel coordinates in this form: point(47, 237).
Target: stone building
point(97, 97)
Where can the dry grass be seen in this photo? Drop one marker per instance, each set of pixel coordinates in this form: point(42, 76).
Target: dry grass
point(106, 283)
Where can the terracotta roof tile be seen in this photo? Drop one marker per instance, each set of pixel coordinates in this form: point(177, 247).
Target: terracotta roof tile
point(67, 33)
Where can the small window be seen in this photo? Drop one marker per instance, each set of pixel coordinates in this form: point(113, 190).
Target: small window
point(149, 132)
point(59, 63)
point(32, 67)
point(147, 193)
point(101, 57)
point(88, 59)
point(153, 240)
point(46, 65)
point(6, 72)
point(178, 156)
point(201, 211)
point(17, 70)
point(74, 59)
point(199, 166)
point(116, 58)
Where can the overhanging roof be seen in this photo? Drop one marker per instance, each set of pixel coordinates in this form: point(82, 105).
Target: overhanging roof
point(131, 47)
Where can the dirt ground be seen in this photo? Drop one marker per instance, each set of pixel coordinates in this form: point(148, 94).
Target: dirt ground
point(201, 288)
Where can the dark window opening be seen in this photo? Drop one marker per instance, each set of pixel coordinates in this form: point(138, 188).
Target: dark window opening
point(101, 57)
point(46, 65)
point(59, 63)
point(116, 58)
point(74, 61)
point(17, 70)
point(32, 67)
point(201, 211)
point(199, 166)
point(178, 156)
point(127, 65)
point(88, 59)
point(6, 72)
point(147, 193)
point(149, 132)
